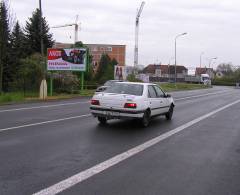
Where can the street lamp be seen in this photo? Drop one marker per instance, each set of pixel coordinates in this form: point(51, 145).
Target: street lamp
point(176, 54)
point(210, 61)
point(201, 59)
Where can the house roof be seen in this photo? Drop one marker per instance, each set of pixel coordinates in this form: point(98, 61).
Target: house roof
point(165, 69)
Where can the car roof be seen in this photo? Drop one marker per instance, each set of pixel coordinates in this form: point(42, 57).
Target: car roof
point(115, 80)
point(137, 83)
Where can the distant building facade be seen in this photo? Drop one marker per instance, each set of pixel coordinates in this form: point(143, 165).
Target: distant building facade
point(164, 73)
point(114, 51)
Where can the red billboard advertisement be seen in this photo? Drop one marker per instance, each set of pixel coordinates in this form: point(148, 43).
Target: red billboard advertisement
point(73, 59)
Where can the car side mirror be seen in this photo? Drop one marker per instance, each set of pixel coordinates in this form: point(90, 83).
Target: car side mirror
point(166, 95)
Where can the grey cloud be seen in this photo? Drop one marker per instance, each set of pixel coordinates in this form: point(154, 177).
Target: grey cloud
point(212, 26)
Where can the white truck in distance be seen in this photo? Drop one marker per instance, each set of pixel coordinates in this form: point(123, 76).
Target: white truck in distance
point(204, 79)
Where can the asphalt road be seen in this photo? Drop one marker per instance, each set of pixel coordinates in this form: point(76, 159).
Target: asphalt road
point(198, 152)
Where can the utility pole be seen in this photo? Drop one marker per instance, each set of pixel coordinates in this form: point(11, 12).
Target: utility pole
point(43, 86)
point(41, 28)
point(136, 35)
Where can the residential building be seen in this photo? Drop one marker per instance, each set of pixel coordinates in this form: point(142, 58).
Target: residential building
point(164, 73)
point(62, 45)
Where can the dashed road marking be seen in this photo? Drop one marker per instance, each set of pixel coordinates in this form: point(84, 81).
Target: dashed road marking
point(46, 106)
point(45, 122)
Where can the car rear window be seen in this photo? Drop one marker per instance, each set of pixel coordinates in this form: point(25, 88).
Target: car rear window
point(123, 88)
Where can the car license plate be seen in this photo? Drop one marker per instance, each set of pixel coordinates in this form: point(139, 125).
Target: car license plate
point(111, 113)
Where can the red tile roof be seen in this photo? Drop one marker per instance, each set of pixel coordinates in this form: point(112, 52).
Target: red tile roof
point(165, 69)
point(200, 71)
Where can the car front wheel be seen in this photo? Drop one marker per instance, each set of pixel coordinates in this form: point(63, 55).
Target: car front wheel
point(169, 113)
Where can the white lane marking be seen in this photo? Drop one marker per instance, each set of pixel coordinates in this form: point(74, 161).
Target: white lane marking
point(45, 122)
point(206, 94)
point(74, 117)
point(47, 106)
point(73, 103)
point(79, 177)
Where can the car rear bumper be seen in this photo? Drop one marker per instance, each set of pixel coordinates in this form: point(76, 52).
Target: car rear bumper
point(114, 113)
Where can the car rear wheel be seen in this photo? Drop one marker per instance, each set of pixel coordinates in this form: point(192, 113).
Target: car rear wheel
point(146, 118)
point(169, 113)
point(102, 120)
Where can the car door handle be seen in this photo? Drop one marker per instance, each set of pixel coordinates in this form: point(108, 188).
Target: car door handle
point(161, 101)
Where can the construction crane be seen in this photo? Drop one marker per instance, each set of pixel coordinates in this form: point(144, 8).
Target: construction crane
point(76, 24)
point(139, 11)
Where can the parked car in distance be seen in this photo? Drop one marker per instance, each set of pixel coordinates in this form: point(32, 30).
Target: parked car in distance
point(107, 84)
point(126, 100)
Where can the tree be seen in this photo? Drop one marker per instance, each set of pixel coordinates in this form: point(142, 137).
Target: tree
point(17, 41)
point(89, 72)
point(18, 50)
point(33, 36)
point(31, 72)
point(4, 46)
point(114, 62)
point(105, 69)
point(225, 68)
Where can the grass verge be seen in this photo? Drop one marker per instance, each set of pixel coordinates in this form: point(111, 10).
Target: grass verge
point(8, 98)
point(16, 97)
point(181, 86)
point(11, 97)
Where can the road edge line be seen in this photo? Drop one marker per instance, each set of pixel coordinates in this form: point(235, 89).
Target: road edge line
point(83, 175)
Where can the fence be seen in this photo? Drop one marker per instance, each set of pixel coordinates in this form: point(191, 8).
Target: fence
point(28, 87)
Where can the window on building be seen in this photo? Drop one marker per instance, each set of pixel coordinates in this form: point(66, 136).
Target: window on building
point(109, 49)
point(158, 72)
point(94, 49)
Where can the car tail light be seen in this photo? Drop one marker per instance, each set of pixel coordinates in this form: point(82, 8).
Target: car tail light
point(130, 105)
point(95, 102)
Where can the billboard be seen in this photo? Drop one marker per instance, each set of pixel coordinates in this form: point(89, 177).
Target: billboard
point(73, 59)
point(121, 72)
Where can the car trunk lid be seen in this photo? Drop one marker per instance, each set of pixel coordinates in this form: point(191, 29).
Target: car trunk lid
point(115, 101)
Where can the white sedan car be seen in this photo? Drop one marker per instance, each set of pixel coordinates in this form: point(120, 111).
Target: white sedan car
point(132, 100)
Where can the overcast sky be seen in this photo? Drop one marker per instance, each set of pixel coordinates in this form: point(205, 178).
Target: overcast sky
point(213, 27)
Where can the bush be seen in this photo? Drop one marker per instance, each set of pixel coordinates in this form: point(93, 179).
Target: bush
point(11, 97)
point(132, 78)
point(225, 81)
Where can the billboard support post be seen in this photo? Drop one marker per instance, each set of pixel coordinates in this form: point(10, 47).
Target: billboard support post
point(88, 60)
point(82, 80)
point(51, 84)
